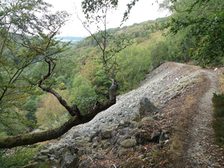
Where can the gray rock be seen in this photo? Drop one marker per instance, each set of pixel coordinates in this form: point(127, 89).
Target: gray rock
point(106, 134)
point(164, 136)
point(85, 163)
point(123, 151)
point(41, 158)
point(147, 119)
point(146, 107)
point(45, 151)
point(69, 160)
point(126, 124)
point(98, 156)
point(95, 137)
point(105, 144)
point(124, 131)
point(155, 136)
point(95, 144)
point(128, 143)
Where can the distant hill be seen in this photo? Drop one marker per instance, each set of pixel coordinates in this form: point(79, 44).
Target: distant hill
point(138, 32)
point(72, 39)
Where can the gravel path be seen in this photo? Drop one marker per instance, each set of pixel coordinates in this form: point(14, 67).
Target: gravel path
point(201, 152)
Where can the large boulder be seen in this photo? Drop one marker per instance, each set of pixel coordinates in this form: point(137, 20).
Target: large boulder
point(146, 107)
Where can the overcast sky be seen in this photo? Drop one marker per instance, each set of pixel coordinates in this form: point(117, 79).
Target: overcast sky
point(143, 11)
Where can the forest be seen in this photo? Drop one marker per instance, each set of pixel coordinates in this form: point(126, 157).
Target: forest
point(48, 86)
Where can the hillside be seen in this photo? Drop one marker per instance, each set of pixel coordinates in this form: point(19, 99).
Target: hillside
point(80, 63)
point(121, 136)
point(146, 95)
point(174, 132)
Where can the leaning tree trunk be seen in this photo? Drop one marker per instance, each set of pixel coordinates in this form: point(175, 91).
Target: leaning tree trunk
point(31, 138)
point(76, 117)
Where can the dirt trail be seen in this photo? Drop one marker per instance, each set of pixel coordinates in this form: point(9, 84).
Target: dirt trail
point(202, 153)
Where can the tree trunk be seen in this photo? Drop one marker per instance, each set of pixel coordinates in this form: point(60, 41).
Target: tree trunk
point(76, 119)
point(31, 138)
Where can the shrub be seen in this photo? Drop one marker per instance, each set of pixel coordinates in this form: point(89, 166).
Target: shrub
point(159, 54)
point(134, 64)
point(218, 121)
point(83, 94)
point(18, 157)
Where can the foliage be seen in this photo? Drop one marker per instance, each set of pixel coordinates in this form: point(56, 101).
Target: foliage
point(31, 106)
point(93, 8)
point(83, 94)
point(13, 123)
point(96, 14)
point(134, 63)
point(159, 54)
point(17, 157)
point(202, 23)
point(27, 30)
point(218, 121)
point(84, 71)
point(130, 5)
point(90, 7)
point(50, 113)
point(93, 71)
point(173, 48)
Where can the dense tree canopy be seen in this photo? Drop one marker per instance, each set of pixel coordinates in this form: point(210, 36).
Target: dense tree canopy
point(27, 39)
point(203, 24)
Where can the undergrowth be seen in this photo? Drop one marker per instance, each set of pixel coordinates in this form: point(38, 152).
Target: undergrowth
point(218, 118)
point(18, 157)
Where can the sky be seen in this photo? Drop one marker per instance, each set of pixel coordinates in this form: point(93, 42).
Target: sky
point(144, 10)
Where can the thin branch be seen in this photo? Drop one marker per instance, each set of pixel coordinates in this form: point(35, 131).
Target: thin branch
point(3, 93)
point(52, 36)
point(13, 79)
point(73, 110)
point(91, 34)
point(4, 41)
point(115, 51)
point(105, 38)
point(5, 69)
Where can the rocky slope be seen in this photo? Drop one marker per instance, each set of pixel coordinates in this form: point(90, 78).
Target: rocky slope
point(147, 127)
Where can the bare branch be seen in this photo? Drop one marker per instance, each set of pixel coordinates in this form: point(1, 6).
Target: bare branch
point(91, 34)
point(74, 110)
